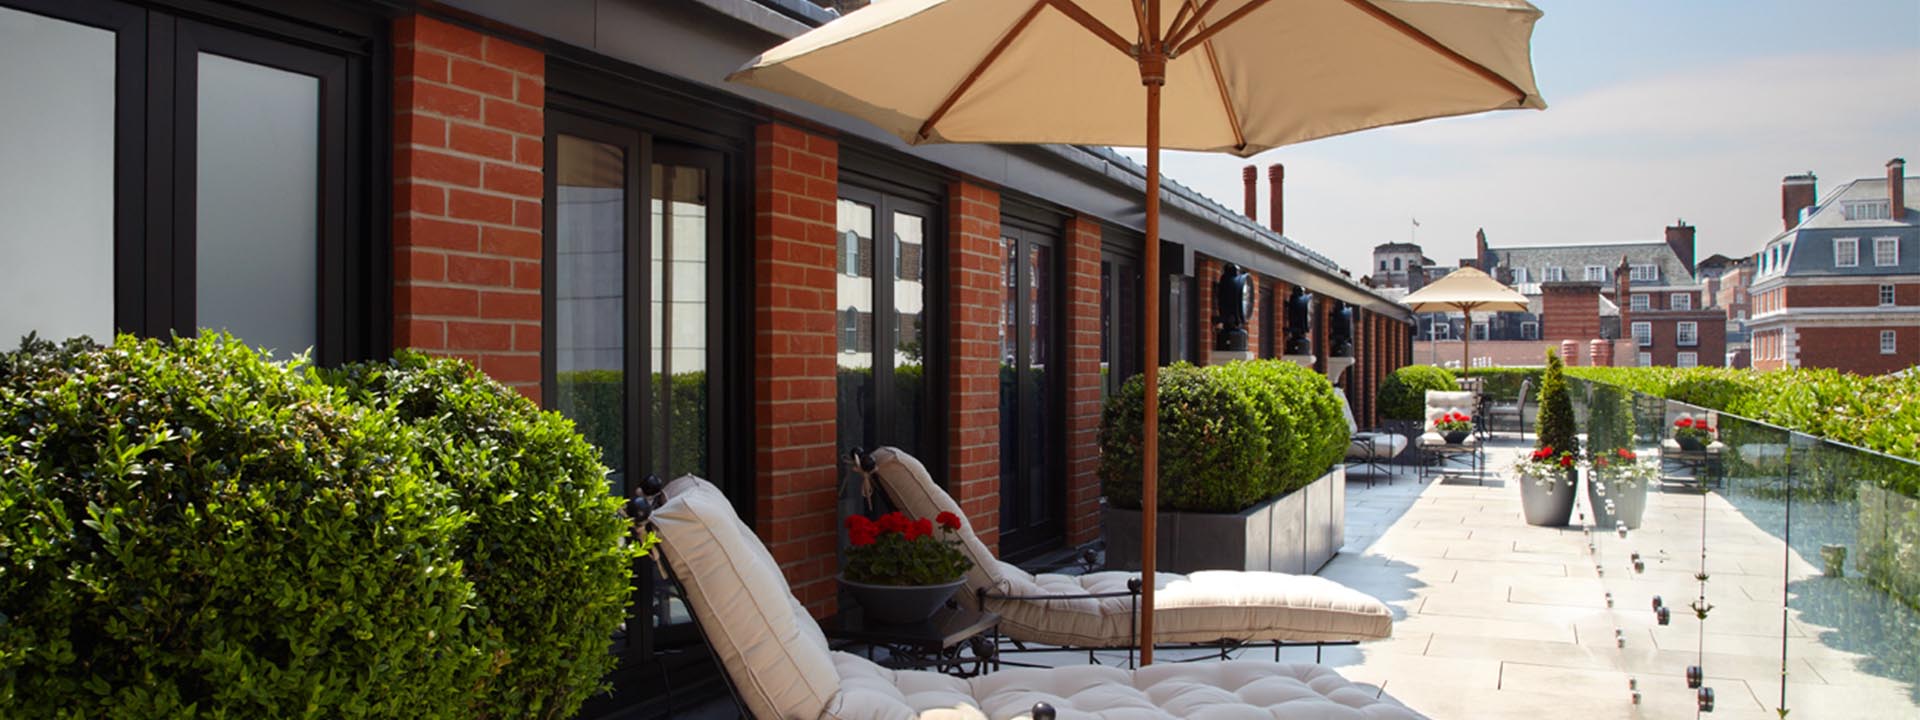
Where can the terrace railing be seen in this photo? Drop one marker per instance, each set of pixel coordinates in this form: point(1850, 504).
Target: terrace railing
point(1772, 572)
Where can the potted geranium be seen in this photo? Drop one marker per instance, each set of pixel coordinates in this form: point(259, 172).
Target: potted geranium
point(1550, 475)
point(1454, 427)
point(1617, 483)
point(1692, 435)
point(901, 569)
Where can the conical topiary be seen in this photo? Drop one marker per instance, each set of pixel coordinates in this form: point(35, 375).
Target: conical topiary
point(1556, 410)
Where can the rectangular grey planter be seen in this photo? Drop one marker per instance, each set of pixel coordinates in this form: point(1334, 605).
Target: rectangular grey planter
point(1295, 533)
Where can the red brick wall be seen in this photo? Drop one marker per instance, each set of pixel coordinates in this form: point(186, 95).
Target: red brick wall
point(976, 297)
point(1867, 295)
point(1258, 285)
point(796, 473)
point(1321, 308)
point(1206, 271)
point(1083, 380)
point(1857, 349)
point(1569, 313)
point(468, 127)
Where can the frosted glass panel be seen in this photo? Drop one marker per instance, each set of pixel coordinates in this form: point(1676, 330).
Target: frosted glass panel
point(258, 154)
point(56, 178)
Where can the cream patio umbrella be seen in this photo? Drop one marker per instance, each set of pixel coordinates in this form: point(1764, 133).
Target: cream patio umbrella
point(1466, 290)
point(1237, 76)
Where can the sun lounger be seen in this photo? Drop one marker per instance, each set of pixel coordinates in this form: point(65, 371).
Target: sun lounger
point(1204, 607)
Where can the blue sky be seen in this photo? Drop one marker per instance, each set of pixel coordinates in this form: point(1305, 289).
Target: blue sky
point(1659, 110)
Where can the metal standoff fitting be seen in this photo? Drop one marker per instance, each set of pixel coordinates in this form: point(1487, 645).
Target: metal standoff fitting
point(1620, 528)
point(1695, 676)
point(1609, 599)
point(1042, 711)
point(1639, 564)
point(1658, 603)
point(1619, 637)
point(639, 510)
point(652, 484)
point(1663, 615)
point(1636, 697)
point(1633, 683)
point(1706, 699)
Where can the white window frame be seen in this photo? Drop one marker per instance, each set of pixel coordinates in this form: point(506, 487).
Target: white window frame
point(1867, 210)
point(1687, 360)
point(1889, 342)
point(1891, 255)
point(1529, 330)
point(1596, 273)
point(1644, 273)
point(1642, 333)
point(1555, 273)
point(1644, 359)
point(1441, 330)
point(1679, 301)
point(1519, 275)
point(1687, 334)
point(1887, 297)
point(1850, 257)
point(1640, 301)
point(1480, 331)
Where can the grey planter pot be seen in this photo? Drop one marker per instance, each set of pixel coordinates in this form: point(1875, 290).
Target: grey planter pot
point(900, 604)
point(1295, 533)
point(1629, 505)
point(1549, 507)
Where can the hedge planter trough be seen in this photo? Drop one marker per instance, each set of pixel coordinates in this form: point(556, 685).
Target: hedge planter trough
point(1295, 533)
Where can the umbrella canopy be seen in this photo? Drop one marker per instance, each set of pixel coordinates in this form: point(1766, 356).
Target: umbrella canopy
point(1465, 291)
point(1236, 76)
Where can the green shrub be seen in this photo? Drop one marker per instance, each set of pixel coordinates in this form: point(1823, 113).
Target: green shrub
point(189, 530)
point(1403, 394)
point(1556, 423)
point(1230, 436)
point(1503, 383)
point(544, 550)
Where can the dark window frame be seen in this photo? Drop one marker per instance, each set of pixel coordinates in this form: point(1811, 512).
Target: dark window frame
point(1030, 225)
point(156, 46)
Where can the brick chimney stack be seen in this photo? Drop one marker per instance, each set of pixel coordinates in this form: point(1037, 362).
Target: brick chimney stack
point(1622, 285)
point(1250, 176)
point(1680, 238)
point(1897, 188)
point(1276, 176)
point(1796, 193)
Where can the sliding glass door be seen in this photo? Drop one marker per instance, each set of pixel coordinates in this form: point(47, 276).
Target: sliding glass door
point(1032, 493)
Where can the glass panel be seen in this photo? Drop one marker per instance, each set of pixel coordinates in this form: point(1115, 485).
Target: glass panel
point(257, 203)
point(909, 303)
point(678, 307)
point(589, 336)
point(1039, 298)
point(1010, 391)
point(56, 178)
point(854, 297)
point(1107, 374)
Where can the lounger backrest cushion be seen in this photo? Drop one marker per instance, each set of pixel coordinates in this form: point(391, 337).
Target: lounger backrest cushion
point(907, 484)
point(771, 648)
point(1441, 403)
point(1347, 411)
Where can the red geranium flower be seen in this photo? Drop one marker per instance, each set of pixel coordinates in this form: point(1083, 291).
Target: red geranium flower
point(948, 520)
point(863, 535)
point(1624, 454)
point(895, 522)
point(921, 528)
point(1685, 422)
point(1566, 461)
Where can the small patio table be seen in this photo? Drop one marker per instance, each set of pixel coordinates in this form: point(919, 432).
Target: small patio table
point(955, 641)
point(1438, 457)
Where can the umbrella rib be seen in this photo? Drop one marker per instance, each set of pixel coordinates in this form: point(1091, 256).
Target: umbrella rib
point(1087, 20)
point(1179, 29)
point(1426, 40)
point(926, 128)
point(1220, 81)
point(1231, 18)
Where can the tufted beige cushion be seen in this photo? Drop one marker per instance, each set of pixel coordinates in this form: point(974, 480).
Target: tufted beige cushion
point(771, 648)
point(1203, 607)
point(1441, 403)
point(1363, 445)
point(1203, 691)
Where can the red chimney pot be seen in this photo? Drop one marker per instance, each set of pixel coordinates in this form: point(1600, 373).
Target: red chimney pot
point(1276, 176)
point(1250, 176)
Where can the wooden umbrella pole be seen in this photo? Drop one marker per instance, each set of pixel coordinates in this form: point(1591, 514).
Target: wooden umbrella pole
point(1466, 341)
point(1153, 64)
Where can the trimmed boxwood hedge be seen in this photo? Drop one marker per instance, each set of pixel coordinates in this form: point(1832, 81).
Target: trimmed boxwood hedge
point(1230, 436)
point(190, 530)
point(1403, 394)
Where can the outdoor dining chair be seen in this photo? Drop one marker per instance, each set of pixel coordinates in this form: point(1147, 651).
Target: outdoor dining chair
point(778, 664)
point(1496, 411)
point(1099, 609)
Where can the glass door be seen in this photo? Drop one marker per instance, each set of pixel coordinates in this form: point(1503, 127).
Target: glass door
point(1120, 351)
point(1031, 492)
point(881, 259)
point(634, 321)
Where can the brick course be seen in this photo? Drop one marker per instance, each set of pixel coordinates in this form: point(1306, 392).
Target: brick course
point(795, 470)
point(466, 246)
point(976, 300)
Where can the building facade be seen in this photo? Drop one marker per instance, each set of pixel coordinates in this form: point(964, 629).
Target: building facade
point(569, 196)
point(1840, 287)
point(1729, 287)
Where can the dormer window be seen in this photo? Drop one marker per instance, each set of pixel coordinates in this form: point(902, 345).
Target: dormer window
point(1556, 273)
point(1867, 210)
point(1596, 273)
point(1644, 273)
